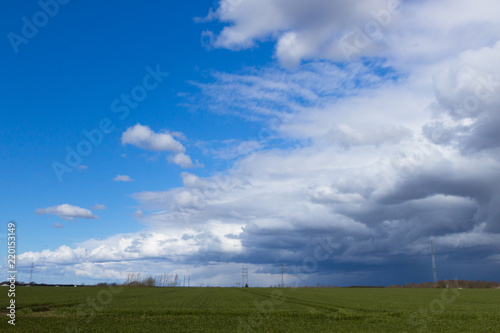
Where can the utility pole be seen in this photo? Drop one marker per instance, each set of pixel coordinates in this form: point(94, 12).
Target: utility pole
point(434, 273)
point(282, 284)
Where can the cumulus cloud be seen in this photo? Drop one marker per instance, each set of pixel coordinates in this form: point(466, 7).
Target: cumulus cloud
point(143, 137)
point(123, 178)
point(67, 212)
point(182, 160)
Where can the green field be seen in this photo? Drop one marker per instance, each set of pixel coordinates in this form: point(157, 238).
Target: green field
point(93, 309)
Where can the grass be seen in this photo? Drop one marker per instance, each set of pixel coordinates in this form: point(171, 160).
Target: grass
point(93, 309)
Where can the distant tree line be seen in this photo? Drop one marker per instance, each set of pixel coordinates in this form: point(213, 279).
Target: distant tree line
point(34, 284)
point(452, 284)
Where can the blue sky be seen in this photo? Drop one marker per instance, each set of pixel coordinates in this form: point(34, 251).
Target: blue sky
point(268, 128)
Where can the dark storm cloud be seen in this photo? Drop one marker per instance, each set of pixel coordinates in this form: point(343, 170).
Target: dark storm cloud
point(485, 134)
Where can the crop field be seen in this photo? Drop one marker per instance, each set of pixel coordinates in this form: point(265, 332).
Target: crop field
point(118, 309)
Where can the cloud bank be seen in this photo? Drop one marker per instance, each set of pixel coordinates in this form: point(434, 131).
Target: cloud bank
point(339, 31)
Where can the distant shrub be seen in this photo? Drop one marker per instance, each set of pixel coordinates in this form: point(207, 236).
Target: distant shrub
point(159, 280)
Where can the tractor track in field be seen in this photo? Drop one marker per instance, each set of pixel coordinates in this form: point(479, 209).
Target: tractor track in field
point(315, 306)
point(198, 300)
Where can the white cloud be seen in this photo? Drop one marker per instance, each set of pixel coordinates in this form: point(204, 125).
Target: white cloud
point(98, 207)
point(67, 212)
point(123, 178)
point(58, 226)
point(63, 255)
point(182, 160)
point(144, 138)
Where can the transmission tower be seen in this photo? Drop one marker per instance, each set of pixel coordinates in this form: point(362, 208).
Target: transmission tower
point(434, 273)
point(188, 279)
point(244, 276)
point(31, 272)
